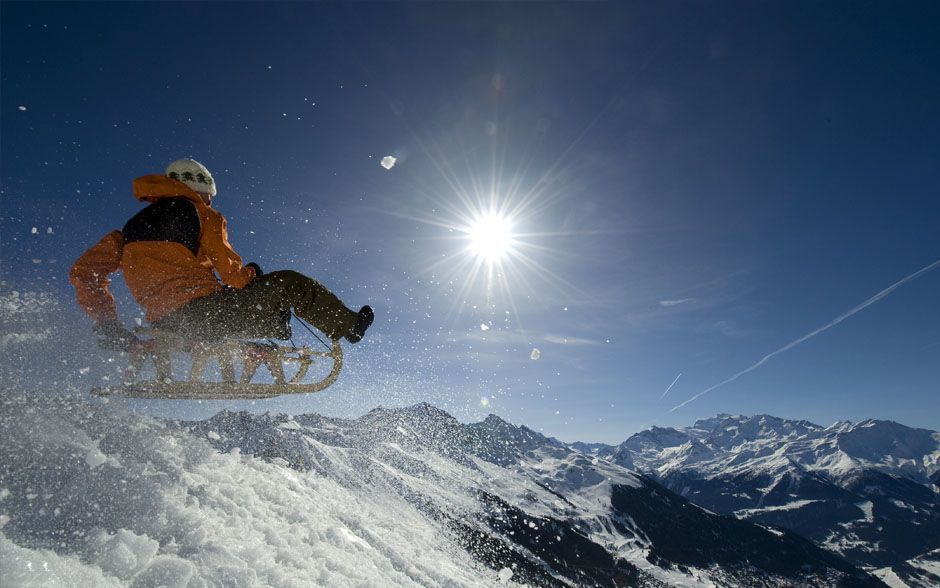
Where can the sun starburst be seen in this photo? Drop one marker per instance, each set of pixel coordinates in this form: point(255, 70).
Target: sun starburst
point(491, 237)
point(493, 244)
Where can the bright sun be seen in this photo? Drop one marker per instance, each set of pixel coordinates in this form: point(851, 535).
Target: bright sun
point(491, 237)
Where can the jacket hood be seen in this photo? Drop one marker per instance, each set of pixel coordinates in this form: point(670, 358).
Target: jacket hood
point(153, 187)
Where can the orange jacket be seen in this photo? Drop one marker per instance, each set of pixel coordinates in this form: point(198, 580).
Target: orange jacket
point(162, 276)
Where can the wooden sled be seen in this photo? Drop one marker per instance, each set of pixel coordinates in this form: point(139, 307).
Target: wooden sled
point(229, 354)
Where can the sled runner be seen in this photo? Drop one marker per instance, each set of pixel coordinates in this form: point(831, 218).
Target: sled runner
point(294, 370)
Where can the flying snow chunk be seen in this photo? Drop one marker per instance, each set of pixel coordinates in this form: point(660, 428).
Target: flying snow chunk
point(22, 109)
point(95, 458)
point(505, 574)
point(484, 327)
point(535, 354)
point(388, 162)
point(35, 231)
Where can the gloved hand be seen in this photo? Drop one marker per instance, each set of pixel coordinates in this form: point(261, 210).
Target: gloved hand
point(256, 267)
point(114, 337)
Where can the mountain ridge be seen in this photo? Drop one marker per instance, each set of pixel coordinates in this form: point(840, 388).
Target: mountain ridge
point(867, 490)
point(553, 485)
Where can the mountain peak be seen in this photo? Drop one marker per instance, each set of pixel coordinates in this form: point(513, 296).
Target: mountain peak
point(493, 420)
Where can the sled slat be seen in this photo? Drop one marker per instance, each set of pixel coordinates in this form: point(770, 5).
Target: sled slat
point(196, 387)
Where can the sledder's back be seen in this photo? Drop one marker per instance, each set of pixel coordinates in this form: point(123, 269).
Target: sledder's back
point(173, 220)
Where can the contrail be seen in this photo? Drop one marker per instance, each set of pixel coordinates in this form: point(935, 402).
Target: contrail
point(670, 386)
point(812, 334)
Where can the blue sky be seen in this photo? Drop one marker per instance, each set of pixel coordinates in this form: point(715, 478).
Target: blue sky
point(693, 187)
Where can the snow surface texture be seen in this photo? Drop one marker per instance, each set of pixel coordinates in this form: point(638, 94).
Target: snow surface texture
point(106, 499)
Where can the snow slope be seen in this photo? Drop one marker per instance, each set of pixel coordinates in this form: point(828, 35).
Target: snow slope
point(920, 572)
point(103, 499)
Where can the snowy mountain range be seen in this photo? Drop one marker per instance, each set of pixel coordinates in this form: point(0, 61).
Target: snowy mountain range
point(868, 490)
point(92, 495)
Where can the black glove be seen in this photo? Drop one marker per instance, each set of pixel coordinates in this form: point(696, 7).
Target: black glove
point(114, 337)
point(256, 267)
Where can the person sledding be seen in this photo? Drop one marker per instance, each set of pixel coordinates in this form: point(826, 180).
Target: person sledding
point(180, 267)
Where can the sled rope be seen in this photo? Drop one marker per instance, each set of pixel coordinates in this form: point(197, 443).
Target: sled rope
point(312, 332)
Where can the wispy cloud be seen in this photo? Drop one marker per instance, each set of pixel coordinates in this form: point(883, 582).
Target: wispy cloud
point(675, 302)
point(812, 334)
point(559, 340)
point(670, 386)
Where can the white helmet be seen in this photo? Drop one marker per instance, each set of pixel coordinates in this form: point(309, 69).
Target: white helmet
point(193, 174)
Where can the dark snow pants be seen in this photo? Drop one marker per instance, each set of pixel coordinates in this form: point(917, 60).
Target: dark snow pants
point(262, 310)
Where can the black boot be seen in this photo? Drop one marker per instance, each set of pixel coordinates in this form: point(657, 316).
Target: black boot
point(363, 322)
